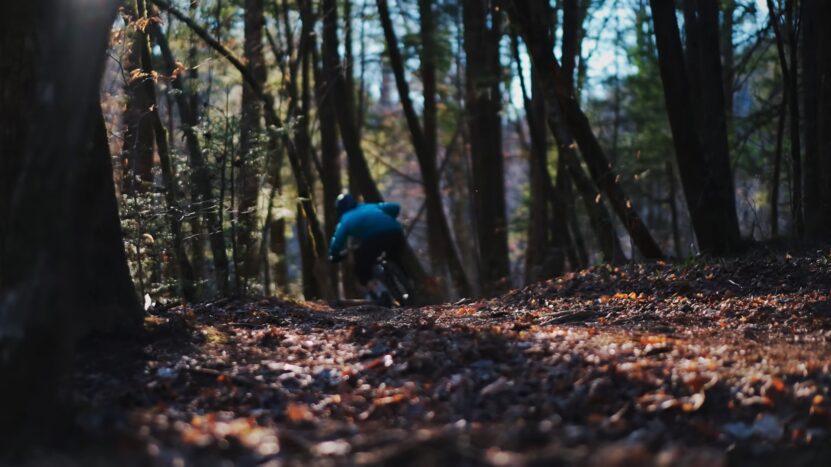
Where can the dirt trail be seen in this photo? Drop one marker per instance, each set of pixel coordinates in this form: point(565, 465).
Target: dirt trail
point(698, 364)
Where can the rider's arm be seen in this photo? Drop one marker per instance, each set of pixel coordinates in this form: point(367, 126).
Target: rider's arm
point(338, 243)
point(391, 209)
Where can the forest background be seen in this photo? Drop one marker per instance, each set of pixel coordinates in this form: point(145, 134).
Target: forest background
point(486, 204)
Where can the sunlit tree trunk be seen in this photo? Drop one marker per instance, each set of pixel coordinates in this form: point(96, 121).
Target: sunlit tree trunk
point(137, 150)
point(250, 147)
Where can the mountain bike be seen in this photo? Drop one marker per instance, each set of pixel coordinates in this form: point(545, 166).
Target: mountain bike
point(397, 282)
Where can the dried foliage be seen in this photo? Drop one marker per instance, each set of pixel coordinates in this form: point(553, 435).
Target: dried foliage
point(697, 364)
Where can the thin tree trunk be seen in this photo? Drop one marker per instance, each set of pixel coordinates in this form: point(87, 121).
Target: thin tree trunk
point(792, 16)
point(197, 243)
point(483, 103)
point(790, 76)
point(777, 167)
point(824, 120)
point(250, 129)
point(330, 175)
point(137, 152)
point(185, 271)
point(808, 46)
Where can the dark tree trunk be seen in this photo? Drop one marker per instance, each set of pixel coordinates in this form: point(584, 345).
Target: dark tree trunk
point(560, 94)
point(548, 234)
point(483, 103)
point(700, 138)
point(574, 14)
point(811, 106)
point(330, 163)
point(792, 15)
point(788, 53)
point(197, 232)
point(728, 55)
point(777, 166)
point(63, 270)
point(201, 178)
point(824, 120)
point(537, 256)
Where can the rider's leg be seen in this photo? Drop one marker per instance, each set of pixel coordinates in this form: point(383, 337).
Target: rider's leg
point(365, 257)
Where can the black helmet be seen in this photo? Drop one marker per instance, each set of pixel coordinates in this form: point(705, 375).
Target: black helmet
point(345, 203)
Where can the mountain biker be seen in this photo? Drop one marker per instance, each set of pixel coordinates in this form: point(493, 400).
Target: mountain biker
point(375, 226)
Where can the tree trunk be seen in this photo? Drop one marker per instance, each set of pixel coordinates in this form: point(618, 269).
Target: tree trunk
point(777, 166)
point(824, 120)
point(547, 238)
point(702, 153)
point(137, 152)
point(63, 271)
point(536, 254)
point(811, 107)
point(250, 129)
point(483, 103)
point(728, 56)
point(793, 19)
point(330, 173)
point(560, 94)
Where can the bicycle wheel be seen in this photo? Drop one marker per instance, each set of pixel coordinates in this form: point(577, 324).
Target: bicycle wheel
point(398, 284)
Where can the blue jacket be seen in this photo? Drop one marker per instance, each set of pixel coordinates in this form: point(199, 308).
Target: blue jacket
point(363, 222)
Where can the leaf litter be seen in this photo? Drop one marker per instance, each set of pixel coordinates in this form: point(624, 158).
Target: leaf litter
point(705, 363)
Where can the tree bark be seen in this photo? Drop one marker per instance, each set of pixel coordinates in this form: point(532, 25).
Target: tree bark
point(248, 180)
point(483, 103)
point(63, 270)
point(777, 166)
point(809, 48)
point(824, 120)
point(702, 153)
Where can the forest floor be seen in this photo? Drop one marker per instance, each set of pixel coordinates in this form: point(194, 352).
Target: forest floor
point(702, 363)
